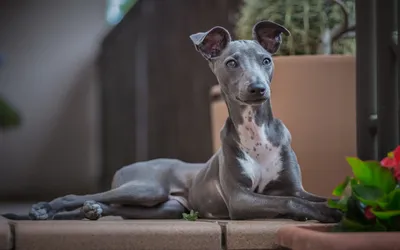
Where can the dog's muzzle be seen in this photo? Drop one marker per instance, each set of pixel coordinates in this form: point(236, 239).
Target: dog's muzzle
point(256, 93)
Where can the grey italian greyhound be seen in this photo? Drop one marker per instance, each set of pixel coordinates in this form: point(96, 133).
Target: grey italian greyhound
point(255, 173)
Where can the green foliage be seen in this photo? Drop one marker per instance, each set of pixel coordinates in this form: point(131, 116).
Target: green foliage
point(339, 190)
point(305, 19)
point(373, 174)
point(370, 200)
point(368, 195)
point(192, 216)
point(390, 206)
point(9, 118)
point(356, 223)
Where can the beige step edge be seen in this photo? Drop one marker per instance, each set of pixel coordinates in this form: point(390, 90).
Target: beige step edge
point(6, 236)
point(142, 234)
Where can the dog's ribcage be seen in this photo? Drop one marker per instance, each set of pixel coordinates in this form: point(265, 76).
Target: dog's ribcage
point(262, 161)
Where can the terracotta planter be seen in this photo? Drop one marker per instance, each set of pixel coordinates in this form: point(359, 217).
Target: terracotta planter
point(321, 237)
point(315, 97)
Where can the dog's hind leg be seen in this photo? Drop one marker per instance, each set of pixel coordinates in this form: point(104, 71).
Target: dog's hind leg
point(90, 210)
point(134, 193)
point(71, 215)
point(93, 210)
point(170, 209)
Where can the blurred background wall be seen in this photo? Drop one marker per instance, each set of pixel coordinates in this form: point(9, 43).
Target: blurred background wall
point(155, 86)
point(48, 74)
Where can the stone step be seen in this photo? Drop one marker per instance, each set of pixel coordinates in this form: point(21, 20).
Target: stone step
point(116, 234)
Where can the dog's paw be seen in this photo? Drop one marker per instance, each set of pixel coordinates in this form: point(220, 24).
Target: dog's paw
point(92, 210)
point(41, 211)
point(300, 218)
point(329, 215)
point(294, 217)
point(337, 215)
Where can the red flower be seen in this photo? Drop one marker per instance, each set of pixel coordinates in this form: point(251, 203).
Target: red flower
point(389, 162)
point(368, 214)
point(392, 161)
point(397, 174)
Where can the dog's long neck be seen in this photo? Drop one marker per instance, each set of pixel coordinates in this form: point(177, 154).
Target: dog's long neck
point(249, 121)
point(262, 114)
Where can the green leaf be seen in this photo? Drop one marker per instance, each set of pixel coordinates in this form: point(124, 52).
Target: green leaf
point(383, 203)
point(381, 177)
point(385, 215)
point(390, 201)
point(360, 171)
point(371, 173)
point(340, 204)
point(332, 203)
point(339, 190)
point(192, 216)
point(368, 195)
point(393, 200)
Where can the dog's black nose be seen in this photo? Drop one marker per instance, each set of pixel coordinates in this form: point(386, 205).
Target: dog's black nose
point(256, 89)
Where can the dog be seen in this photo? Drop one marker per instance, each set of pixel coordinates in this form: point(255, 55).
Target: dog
point(255, 173)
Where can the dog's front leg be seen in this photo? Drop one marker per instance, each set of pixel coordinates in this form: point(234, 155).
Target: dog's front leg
point(244, 204)
point(303, 194)
point(293, 176)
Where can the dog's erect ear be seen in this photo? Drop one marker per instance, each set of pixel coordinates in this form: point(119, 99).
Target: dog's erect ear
point(269, 35)
point(211, 43)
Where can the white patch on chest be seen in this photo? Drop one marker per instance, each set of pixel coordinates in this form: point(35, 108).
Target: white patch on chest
point(262, 161)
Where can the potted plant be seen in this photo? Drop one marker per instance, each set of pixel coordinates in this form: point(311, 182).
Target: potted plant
point(370, 203)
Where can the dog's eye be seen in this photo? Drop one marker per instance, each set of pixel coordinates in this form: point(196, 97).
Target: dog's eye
point(231, 64)
point(266, 61)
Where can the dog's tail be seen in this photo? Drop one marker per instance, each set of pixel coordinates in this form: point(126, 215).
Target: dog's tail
point(11, 216)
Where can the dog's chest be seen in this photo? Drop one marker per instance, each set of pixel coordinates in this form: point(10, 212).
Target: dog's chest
point(262, 161)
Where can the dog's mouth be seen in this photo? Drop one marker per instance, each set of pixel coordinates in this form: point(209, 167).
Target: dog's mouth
point(257, 101)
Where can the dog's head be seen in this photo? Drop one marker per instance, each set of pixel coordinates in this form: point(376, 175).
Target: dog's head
point(244, 68)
